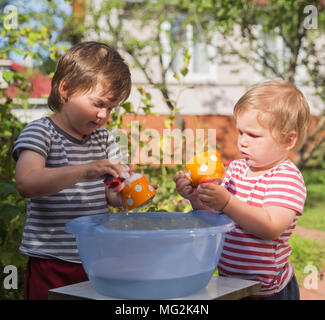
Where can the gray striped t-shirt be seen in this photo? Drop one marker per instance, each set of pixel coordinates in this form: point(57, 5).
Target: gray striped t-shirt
point(44, 234)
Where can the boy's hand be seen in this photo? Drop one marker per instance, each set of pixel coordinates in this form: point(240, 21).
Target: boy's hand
point(184, 186)
point(96, 169)
point(213, 196)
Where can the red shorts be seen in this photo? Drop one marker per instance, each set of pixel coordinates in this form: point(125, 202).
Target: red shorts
point(45, 274)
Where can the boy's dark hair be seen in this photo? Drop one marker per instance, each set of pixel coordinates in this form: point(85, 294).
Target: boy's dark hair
point(85, 65)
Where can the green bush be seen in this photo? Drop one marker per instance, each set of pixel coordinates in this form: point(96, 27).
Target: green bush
point(12, 205)
point(28, 39)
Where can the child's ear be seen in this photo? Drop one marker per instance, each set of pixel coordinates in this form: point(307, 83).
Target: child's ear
point(63, 91)
point(291, 140)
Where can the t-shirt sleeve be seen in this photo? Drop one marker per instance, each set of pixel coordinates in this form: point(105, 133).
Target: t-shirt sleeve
point(225, 181)
point(35, 136)
point(113, 150)
point(286, 188)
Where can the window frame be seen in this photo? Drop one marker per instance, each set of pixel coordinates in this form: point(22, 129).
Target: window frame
point(192, 77)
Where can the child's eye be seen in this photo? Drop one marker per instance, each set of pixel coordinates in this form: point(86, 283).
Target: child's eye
point(254, 135)
point(98, 104)
point(101, 105)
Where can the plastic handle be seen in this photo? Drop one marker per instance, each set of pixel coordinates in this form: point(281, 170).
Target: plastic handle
point(115, 184)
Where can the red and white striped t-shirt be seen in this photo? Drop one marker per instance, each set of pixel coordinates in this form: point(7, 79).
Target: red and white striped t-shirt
point(247, 256)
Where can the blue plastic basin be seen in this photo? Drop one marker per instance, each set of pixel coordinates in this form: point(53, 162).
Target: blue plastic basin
point(150, 255)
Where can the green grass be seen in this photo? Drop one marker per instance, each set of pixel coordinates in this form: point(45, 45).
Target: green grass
point(306, 251)
point(313, 217)
point(314, 212)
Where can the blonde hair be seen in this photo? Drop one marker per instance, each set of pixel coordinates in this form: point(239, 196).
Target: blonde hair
point(283, 108)
point(85, 65)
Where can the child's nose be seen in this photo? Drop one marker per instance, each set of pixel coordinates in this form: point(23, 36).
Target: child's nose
point(103, 113)
point(242, 140)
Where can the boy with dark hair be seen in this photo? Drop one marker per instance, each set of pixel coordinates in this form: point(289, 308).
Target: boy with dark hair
point(61, 161)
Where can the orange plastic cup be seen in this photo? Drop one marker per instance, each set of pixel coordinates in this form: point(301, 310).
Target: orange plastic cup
point(137, 192)
point(205, 166)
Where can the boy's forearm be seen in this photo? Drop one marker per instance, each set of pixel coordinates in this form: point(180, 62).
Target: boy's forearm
point(46, 181)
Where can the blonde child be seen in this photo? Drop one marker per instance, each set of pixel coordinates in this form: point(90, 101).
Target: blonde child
point(263, 192)
point(61, 161)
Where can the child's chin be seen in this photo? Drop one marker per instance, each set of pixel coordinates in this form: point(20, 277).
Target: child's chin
point(251, 163)
point(91, 129)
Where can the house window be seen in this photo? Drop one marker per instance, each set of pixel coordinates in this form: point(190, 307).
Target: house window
point(203, 65)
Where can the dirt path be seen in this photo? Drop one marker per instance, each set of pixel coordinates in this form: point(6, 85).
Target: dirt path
point(319, 293)
point(310, 233)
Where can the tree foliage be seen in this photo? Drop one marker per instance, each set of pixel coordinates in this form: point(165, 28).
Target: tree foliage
point(138, 28)
point(279, 40)
point(18, 33)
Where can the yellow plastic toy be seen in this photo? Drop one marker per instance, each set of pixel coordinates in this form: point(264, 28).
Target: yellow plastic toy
point(205, 167)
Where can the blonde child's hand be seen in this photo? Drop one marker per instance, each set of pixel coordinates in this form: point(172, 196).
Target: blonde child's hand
point(98, 168)
point(213, 196)
point(184, 186)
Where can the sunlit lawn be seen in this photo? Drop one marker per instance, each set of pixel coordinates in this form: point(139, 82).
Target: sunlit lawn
point(304, 250)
